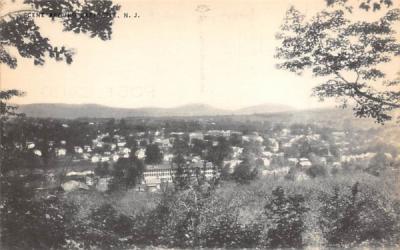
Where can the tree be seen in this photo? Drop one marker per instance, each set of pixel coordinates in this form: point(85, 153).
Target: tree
point(102, 169)
point(6, 110)
point(182, 174)
point(287, 213)
point(246, 171)
point(197, 146)
point(153, 154)
point(180, 146)
point(347, 54)
point(19, 30)
point(365, 4)
point(10, 156)
point(216, 154)
point(45, 222)
point(379, 163)
point(357, 214)
point(316, 171)
point(127, 172)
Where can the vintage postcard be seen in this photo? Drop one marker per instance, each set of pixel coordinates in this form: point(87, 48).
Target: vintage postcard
point(215, 124)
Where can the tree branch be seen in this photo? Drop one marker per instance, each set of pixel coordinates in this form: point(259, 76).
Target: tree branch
point(364, 94)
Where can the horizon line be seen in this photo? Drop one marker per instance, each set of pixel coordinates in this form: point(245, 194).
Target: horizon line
point(290, 107)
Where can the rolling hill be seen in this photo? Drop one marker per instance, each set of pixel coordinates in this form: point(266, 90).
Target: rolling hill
point(71, 111)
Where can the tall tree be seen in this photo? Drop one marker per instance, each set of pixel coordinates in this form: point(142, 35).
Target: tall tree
point(348, 54)
point(182, 174)
point(153, 154)
point(127, 172)
point(6, 110)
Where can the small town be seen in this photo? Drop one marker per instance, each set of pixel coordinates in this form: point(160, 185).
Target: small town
point(298, 152)
point(199, 124)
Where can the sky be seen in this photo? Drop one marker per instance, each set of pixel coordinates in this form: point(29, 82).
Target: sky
point(172, 55)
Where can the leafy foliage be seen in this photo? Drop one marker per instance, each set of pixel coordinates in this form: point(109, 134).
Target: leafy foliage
point(287, 213)
point(43, 223)
point(182, 176)
point(153, 154)
point(357, 216)
point(19, 30)
point(127, 173)
point(348, 53)
point(246, 171)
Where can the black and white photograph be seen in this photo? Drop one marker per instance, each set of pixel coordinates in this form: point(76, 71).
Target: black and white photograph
point(199, 124)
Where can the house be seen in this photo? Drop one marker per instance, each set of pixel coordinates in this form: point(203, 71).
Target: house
point(292, 161)
point(304, 162)
point(237, 152)
point(168, 157)
point(105, 159)
point(141, 153)
point(279, 172)
point(61, 151)
point(232, 164)
point(267, 154)
point(359, 157)
point(83, 173)
point(87, 148)
point(285, 132)
point(30, 145)
point(37, 152)
point(78, 150)
point(124, 150)
point(115, 157)
point(86, 156)
point(95, 158)
point(219, 133)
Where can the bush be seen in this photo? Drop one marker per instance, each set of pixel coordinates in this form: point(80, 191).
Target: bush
point(287, 215)
point(30, 222)
point(351, 217)
point(228, 232)
point(316, 170)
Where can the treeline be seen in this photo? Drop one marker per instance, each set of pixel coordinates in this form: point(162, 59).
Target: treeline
point(344, 212)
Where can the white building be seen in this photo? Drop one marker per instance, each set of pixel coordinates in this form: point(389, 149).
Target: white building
point(95, 158)
point(61, 151)
point(141, 153)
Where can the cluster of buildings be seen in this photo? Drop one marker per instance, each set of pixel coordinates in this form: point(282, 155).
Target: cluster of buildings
point(276, 153)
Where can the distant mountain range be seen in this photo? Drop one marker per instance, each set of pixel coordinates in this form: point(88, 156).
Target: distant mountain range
point(71, 111)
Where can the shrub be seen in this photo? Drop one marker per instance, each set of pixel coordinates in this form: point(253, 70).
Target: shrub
point(356, 215)
point(30, 222)
point(286, 214)
point(228, 232)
